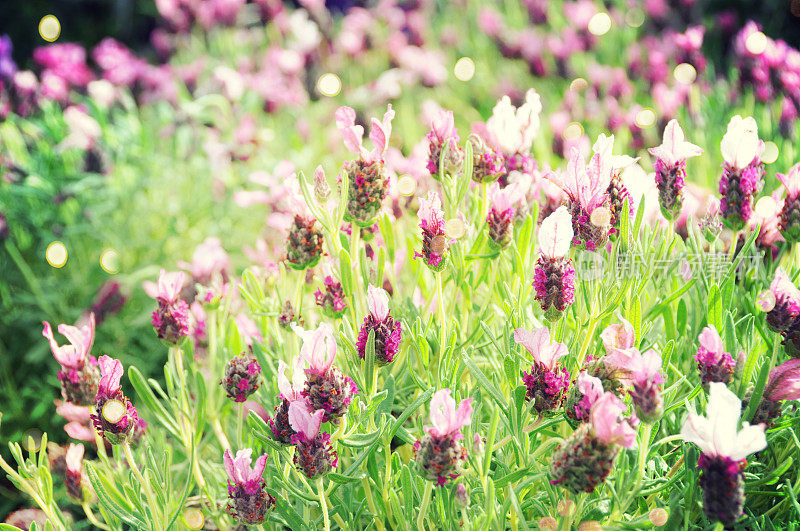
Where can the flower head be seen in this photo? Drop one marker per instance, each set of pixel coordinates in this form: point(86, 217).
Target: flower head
point(784, 381)
point(241, 472)
point(740, 145)
point(717, 433)
point(555, 234)
point(378, 302)
point(618, 336)
point(72, 356)
point(319, 347)
point(443, 127)
point(674, 148)
point(540, 346)
point(353, 134)
point(170, 285)
point(711, 341)
point(513, 130)
point(608, 424)
point(504, 199)
point(448, 420)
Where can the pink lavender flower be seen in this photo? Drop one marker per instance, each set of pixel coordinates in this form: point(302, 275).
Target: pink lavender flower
point(618, 336)
point(585, 459)
point(332, 301)
point(114, 415)
point(488, 164)
point(326, 387)
point(434, 241)
point(304, 244)
point(643, 373)
point(444, 136)
point(554, 276)
point(78, 374)
point(742, 171)
point(241, 378)
point(587, 191)
point(369, 180)
point(171, 318)
point(783, 384)
point(781, 302)
point(7, 65)
point(670, 168)
point(314, 453)
point(73, 479)
point(439, 452)
point(512, 131)
point(590, 389)
point(387, 331)
point(547, 382)
point(65, 60)
point(289, 392)
point(500, 221)
point(209, 262)
point(789, 223)
point(714, 364)
point(724, 448)
point(322, 190)
point(248, 499)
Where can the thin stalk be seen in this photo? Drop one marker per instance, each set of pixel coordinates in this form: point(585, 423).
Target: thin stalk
point(440, 310)
point(239, 422)
point(323, 503)
point(151, 500)
point(371, 504)
point(92, 518)
point(423, 509)
point(585, 346)
point(355, 263)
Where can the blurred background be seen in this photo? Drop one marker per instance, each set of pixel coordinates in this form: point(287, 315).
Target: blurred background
point(140, 134)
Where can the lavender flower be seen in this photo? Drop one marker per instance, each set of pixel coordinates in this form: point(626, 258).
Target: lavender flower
point(440, 451)
point(290, 392)
point(304, 245)
point(115, 416)
point(547, 382)
point(783, 384)
point(332, 301)
point(314, 454)
point(241, 377)
point(73, 479)
point(554, 276)
point(724, 448)
point(789, 223)
point(500, 220)
point(78, 374)
point(714, 364)
point(248, 499)
point(171, 318)
point(487, 163)
point(781, 302)
point(387, 331)
point(643, 373)
point(742, 172)
point(443, 139)
point(670, 168)
point(434, 241)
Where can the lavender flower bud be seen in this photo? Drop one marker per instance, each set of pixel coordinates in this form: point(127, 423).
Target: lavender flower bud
point(241, 377)
point(582, 462)
point(487, 164)
point(304, 246)
point(554, 282)
point(439, 458)
point(332, 300)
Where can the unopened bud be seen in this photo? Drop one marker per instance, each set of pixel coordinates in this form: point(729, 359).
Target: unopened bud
point(590, 525)
point(548, 523)
point(462, 496)
point(601, 217)
point(321, 187)
point(658, 517)
point(477, 444)
point(565, 508)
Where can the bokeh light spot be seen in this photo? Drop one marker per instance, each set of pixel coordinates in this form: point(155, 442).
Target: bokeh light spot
point(56, 254)
point(634, 18)
point(113, 411)
point(406, 185)
point(455, 228)
point(109, 261)
point(599, 24)
point(32, 440)
point(573, 131)
point(49, 28)
point(646, 118)
point(464, 69)
point(578, 84)
point(770, 154)
point(329, 84)
point(756, 43)
point(685, 73)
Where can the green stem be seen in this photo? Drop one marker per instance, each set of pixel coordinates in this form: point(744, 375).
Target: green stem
point(371, 504)
point(586, 342)
point(92, 518)
point(440, 311)
point(355, 264)
point(151, 500)
point(239, 422)
point(323, 503)
point(423, 509)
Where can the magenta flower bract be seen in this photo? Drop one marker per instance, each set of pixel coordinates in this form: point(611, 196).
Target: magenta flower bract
point(248, 500)
point(314, 455)
point(554, 276)
point(670, 168)
point(547, 381)
point(388, 331)
point(440, 451)
point(714, 363)
point(742, 172)
point(171, 318)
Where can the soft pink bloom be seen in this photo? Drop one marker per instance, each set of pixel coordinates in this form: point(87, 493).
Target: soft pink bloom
point(208, 259)
point(641, 369)
point(791, 180)
point(675, 148)
point(538, 343)
point(72, 356)
point(784, 381)
point(587, 185)
point(73, 413)
point(504, 199)
point(446, 419)
point(618, 336)
point(170, 285)
point(590, 387)
point(740, 145)
point(513, 130)
point(443, 126)
point(241, 472)
point(555, 234)
point(304, 421)
point(781, 287)
point(74, 458)
point(319, 347)
point(83, 129)
point(608, 424)
point(711, 341)
point(110, 373)
point(378, 302)
point(291, 391)
point(353, 134)
point(80, 431)
point(430, 211)
point(717, 433)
